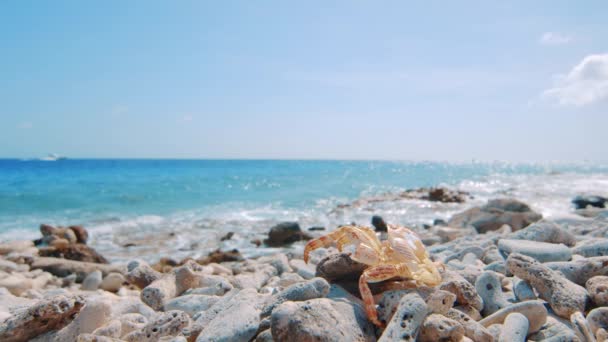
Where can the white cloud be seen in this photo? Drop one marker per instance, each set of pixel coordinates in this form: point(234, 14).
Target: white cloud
point(555, 38)
point(585, 84)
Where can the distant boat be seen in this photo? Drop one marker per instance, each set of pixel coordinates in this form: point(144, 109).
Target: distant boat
point(53, 157)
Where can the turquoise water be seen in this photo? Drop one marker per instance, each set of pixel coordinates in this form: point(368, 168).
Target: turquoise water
point(215, 195)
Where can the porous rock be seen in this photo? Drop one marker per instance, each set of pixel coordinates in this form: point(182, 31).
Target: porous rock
point(541, 251)
point(92, 281)
point(579, 271)
point(598, 318)
point(465, 292)
point(169, 323)
point(534, 310)
point(472, 328)
point(544, 231)
point(515, 328)
point(42, 317)
point(440, 328)
point(489, 287)
point(405, 323)
point(564, 296)
point(320, 320)
point(495, 214)
point(597, 287)
point(314, 288)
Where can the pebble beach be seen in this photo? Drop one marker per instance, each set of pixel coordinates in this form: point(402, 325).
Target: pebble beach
point(508, 274)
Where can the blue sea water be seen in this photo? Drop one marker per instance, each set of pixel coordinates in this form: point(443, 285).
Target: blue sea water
point(124, 200)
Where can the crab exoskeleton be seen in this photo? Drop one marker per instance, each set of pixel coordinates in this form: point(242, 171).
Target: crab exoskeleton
point(402, 256)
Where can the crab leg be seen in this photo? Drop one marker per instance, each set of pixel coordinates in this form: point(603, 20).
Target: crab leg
point(375, 275)
point(342, 236)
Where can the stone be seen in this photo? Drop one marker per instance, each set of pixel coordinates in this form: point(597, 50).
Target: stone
point(554, 330)
point(236, 322)
point(465, 292)
point(407, 320)
point(82, 235)
point(581, 325)
point(436, 194)
point(112, 282)
point(211, 285)
point(64, 267)
point(94, 314)
point(339, 267)
point(440, 328)
point(379, 224)
point(169, 323)
point(579, 271)
point(523, 291)
point(92, 281)
point(96, 338)
point(597, 287)
point(311, 289)
point(140, 274)
point(172, 284)
point(256, 279)
point(111, 329)
point(592, 248)
point(534, 310)
point(42, 317)
point(15, 246)
point(582, 202)
point(472, 329)
point(489, 287)
point(564, 296)
point(440, 302)
point(132, 322)
point(544, 231)
point(284, 234)
point(496, 213)
point(598, 318)
point(219, 256)
point(541, 251)
point(515, 328)
point(320, 319)
point(74, 251)
point(278, 261)
point(305, 270)
point(191, 304)
point(264, 336)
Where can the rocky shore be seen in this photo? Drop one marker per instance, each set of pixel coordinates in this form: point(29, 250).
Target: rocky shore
point(509, 275)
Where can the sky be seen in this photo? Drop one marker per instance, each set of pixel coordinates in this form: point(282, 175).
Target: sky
point(429, 80)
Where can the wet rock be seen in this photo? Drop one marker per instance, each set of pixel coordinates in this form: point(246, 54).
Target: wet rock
point(44, 316)
point(544, 231)
point(472, 329)
point(285, 233)
point(314, 288)
point(64, 267)
point(440, 328)
point(82, 235)
point(515, 328)
point(379, 224)
point(170, 323)
point(598, 318)
point(112, 282)
point(315, 229)
point(579, 271)
point(496, 213)
point(534, 310)
point(74, 251)
point(339, 267)
point(140, 274)
point(564, 296)
point(407, 320)
point(541, 251)
point(592, 248)
point(320, 320)
point(489, 287)
point(92, 281)
point(436, 194)
point(465, 292)
point(597, 287)
point(219, 256)
point(582, 202)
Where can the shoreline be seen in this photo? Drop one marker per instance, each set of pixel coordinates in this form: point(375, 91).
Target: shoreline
point(495, 259)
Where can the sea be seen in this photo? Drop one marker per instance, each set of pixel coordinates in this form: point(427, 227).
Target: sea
point(182, 208)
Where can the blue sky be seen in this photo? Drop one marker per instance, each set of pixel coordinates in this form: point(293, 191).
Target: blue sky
point(516, 81)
